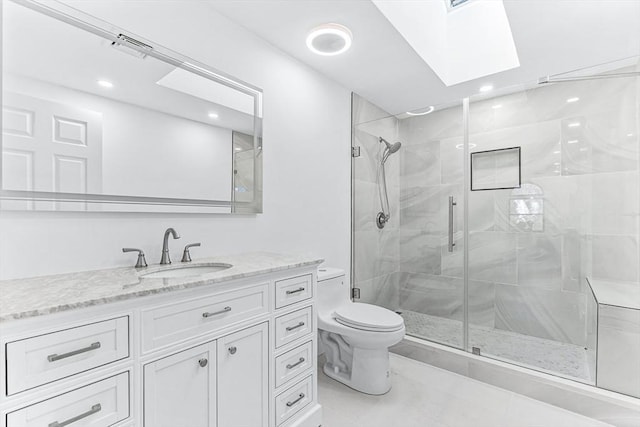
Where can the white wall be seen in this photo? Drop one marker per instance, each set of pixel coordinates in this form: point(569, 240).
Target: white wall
point(306, 161)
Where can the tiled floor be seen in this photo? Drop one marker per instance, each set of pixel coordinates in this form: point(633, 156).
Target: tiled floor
point(425, 396)
point(550, 356)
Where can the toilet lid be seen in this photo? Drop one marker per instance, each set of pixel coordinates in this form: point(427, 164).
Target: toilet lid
point(368, 317)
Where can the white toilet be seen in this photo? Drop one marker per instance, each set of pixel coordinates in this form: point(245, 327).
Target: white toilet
point(355, 337)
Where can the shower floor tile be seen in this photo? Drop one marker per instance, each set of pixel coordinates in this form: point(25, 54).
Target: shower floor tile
point(554, 357)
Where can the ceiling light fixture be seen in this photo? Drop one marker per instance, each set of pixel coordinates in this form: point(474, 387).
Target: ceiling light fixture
point(573, 141)
point(213, 115)
point(574, 125)
point(486, 88)
point(574, 99)
point(105, 83)
point(461, 146)
point(329, 39)
point(428, 110)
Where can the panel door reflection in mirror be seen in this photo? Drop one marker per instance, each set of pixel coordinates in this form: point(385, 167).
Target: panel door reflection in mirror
point(92, 121)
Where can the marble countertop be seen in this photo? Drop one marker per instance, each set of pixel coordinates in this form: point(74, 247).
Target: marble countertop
point(616, 293)
point(37, 296)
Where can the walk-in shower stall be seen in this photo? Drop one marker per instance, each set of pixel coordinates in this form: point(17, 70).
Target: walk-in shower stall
point(514, 220)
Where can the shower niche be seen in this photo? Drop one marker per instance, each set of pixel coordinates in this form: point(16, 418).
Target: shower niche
point(496, 169)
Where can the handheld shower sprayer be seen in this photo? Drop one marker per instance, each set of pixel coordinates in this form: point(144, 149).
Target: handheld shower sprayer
point(384, 215)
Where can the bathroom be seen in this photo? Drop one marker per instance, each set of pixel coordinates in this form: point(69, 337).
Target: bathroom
point(504, 290)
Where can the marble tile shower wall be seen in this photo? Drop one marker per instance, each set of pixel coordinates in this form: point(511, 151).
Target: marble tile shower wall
point(375, 251)
point(577, 214)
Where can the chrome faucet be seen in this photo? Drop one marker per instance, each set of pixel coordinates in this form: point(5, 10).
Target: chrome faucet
point(166, 259)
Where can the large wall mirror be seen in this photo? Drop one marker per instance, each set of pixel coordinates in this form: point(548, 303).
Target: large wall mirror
point(95, 118)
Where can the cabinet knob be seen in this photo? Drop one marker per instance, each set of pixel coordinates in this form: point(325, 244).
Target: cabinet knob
point(203, 362)
point(233, 349)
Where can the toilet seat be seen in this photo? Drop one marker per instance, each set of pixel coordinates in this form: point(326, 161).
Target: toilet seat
point(368, 317)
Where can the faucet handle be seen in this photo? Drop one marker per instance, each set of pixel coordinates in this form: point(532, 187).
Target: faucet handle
point(186, 255)
point(142, 262)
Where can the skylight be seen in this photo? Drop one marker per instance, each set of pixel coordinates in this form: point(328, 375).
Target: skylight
point(473, 42)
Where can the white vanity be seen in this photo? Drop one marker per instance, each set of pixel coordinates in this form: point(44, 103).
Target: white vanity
point(233, 348)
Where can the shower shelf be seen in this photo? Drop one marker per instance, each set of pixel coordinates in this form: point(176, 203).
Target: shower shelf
point(618, 335)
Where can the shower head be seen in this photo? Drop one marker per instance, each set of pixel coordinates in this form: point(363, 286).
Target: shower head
point(390, 149)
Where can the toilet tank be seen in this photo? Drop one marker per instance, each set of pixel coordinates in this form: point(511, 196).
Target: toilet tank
point(333, 288)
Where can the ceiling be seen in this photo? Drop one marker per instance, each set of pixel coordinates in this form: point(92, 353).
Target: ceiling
point(551, 37)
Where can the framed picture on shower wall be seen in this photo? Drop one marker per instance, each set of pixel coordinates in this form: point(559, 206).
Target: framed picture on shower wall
point(497, 169)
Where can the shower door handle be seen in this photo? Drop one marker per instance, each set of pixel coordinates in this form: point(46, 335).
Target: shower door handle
point(452, 203)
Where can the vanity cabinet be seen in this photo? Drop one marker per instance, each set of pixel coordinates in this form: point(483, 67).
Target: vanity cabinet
point(230, 353)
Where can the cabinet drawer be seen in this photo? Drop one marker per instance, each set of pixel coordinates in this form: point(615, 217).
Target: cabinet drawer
point(293, 362)
point(45, 358)
point(293, 400)
point(290, 291)
point(100, 404)
point(177, 322)
point(293, 325)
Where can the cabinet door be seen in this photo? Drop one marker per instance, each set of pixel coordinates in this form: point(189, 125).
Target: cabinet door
point(243, 378)
point(180, 390)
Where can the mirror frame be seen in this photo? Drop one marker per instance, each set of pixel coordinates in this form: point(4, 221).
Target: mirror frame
point(105, 30)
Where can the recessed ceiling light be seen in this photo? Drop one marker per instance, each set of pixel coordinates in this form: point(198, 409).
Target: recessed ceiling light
point(495, 107)
point(213, 115)
point(486, 88)
point(574, 99)
point(329, 39)
point(573, 141)
point(426, 111)
point(105, 83)
point(574, 125)
point(461, 146)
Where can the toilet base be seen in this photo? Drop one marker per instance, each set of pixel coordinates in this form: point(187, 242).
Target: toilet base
point(368, 371)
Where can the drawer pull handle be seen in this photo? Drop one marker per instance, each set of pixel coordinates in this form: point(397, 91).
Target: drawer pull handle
point(54, 357)
point(293, 402)
point(295, 291)
point(215, 313)
point(233, 349)
point(293, 365)
point(291, 328)
point(203, 362)
point(93, 410)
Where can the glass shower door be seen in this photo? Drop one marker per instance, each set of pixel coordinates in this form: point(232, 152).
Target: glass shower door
point(431, 234)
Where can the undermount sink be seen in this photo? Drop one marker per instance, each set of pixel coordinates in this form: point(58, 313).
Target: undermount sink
point(186, 271)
